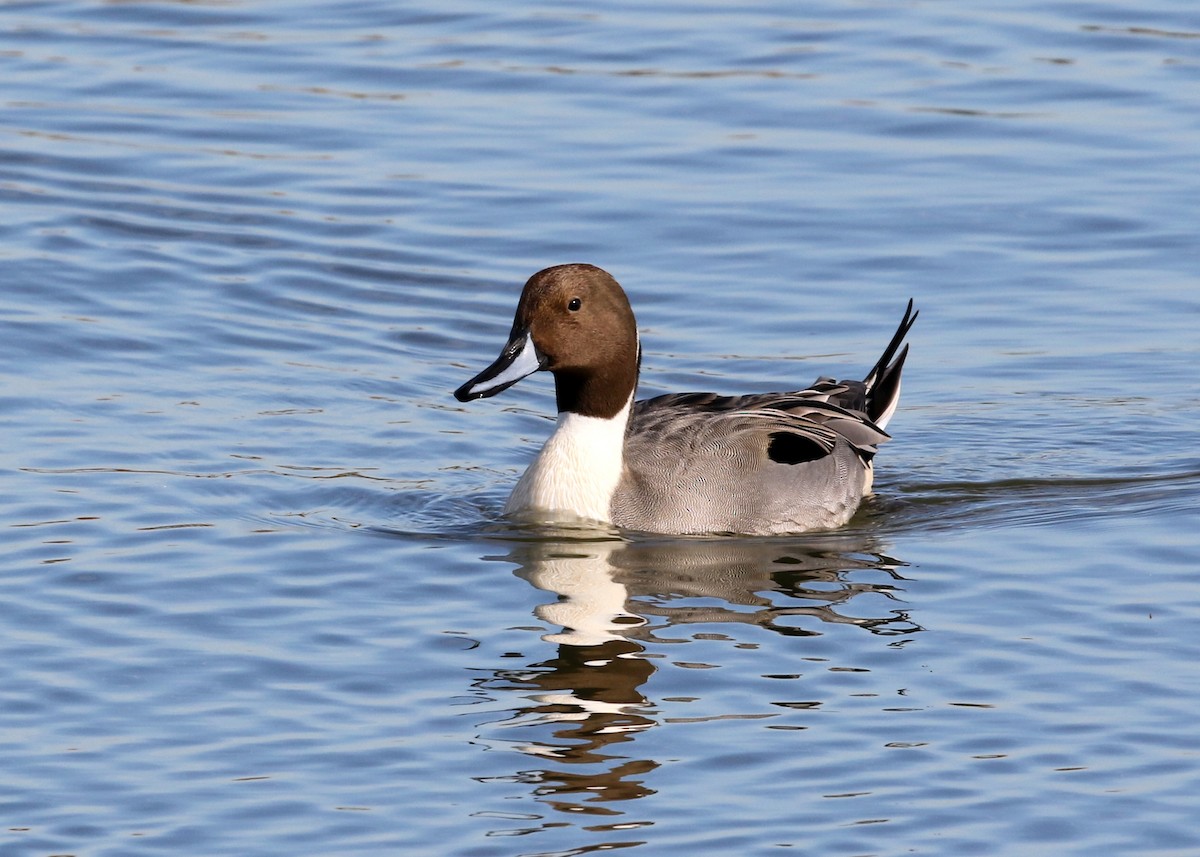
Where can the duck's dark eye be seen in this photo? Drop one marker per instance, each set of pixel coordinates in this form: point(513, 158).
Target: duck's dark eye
point(574, 304)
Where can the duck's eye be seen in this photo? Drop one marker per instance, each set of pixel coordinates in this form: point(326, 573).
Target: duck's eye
point(574, 304)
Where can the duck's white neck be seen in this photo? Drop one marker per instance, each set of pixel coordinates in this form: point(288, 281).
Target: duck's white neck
point(576, 473)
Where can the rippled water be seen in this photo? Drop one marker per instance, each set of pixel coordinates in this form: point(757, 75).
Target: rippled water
point(258, 595)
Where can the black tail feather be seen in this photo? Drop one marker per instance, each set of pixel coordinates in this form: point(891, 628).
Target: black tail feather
point(883, 381)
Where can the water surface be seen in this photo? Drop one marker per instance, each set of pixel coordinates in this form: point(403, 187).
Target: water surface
point(259, 596)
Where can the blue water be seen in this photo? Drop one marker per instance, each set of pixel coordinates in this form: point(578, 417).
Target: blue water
point(258, 597)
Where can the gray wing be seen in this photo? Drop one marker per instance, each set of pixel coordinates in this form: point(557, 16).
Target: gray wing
point(697, 462)
point(771, 462)
point(817, 416)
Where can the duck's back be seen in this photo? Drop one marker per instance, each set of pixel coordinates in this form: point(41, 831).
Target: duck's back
point(759, 464)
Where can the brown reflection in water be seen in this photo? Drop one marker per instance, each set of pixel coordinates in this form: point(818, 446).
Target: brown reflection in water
point(587, 699)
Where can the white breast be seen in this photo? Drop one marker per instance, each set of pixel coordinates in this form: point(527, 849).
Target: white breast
point(576, 472)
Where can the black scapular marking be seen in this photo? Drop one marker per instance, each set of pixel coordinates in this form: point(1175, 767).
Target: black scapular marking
point(788, 448)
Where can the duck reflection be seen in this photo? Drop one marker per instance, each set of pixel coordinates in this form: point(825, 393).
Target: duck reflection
point(616, 600)
point(637, 590)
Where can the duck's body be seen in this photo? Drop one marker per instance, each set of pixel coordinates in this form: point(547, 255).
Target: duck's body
point(686, 463)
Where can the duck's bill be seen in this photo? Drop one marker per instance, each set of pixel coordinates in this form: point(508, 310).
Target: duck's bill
point(518, 360)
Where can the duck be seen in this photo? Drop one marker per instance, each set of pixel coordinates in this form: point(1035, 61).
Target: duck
point(680, 463)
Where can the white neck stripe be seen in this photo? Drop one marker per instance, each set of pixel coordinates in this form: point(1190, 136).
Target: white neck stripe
point(577, 471)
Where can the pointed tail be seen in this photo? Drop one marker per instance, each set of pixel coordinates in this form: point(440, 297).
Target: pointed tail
point(883, 382)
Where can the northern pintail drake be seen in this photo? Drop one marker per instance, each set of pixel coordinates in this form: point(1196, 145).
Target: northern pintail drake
point(684, 463)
